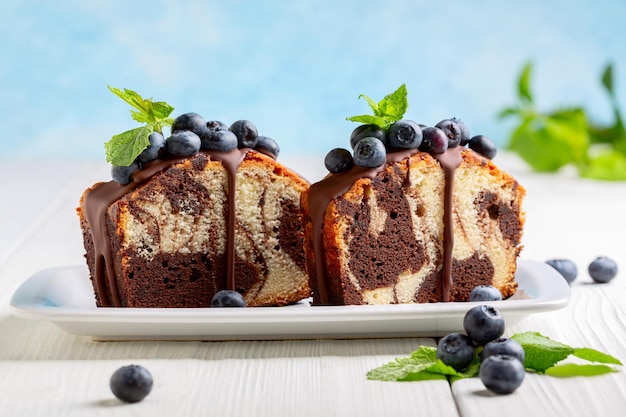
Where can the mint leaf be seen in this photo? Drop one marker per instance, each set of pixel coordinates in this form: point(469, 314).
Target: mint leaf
point(387, 111)
point(573, 369)
point(549, 142)
point(593, 355)
point(607, 79)
point(609, 165)
point(123, 148)
point(523, 85)
point(394, 105)
point(421, 365)
point(541, 352)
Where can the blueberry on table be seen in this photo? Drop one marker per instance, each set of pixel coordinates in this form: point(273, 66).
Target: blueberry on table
point(483, 145)
point(367, 131)
point(183, 143)
point(485, 293)
point(246, 133)
point(483, 323)
point(565, 267)
point(503, 346)
point(131, 383)
point(189, 121)
point(121, 174)
point(434, 140)
point(456, 350)
point(152, 152)
point(267, 146)
point(501, 374)
point(602, 269)
point(228, 298)
point(452, 130)
point(338, 160)
point(404, 134)
point(369, 153)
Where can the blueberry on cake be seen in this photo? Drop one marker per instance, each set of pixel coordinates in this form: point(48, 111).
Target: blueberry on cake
point(413, 214)
point(207, 209)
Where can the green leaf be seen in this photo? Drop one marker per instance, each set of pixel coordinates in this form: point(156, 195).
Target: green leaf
point(371, 103)
point(573, 369)
point(607, 79)
point(379, 121)
point(593, 355)
point(541, 352)
point(549, 142)
point(412, 368)
point(161, 109)
point(129, 96)
point(387, 111)
point(523, 85)
point(123, 148)
point(609, 165)
point(394, 105)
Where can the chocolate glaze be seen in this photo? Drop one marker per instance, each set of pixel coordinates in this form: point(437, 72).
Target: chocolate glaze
point(100, 197)
point(335, 185)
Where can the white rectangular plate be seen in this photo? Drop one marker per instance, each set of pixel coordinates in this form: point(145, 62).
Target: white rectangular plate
point(64, 296)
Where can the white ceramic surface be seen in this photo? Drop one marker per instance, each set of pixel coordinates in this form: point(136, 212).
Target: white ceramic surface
point(64, 297)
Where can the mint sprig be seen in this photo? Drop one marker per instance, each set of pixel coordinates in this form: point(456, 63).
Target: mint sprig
point(125, 147)
point(542, 355)
point(550, 140)
point(387, 111)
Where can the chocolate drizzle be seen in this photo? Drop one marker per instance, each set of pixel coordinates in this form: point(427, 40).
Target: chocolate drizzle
point(100, 197)
point(333, 186)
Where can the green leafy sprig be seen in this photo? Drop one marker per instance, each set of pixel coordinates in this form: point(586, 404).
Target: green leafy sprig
point(387, 111)
point(547, 141)
point(125, 147)
point(542, 355)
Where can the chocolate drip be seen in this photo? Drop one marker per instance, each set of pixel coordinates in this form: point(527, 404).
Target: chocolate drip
point(449, 161)
point(100, 197)
point(333, 186)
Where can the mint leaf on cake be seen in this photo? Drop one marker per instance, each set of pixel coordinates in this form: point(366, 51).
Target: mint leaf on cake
point(125, 147)
point(387, 111)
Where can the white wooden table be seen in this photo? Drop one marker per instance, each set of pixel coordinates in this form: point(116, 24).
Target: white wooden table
point(45, 371)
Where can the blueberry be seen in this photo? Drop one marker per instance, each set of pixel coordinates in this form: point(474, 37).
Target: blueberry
point(338, 160)
point(246, 133)
point(434, 140)
point(121, 174)
point(183, 143)
point(484, 146)
point(228, 298)
point(367, 131)
point(157, 144)
point(602, 269)
point(452, 130)
point(189, 121)
point(483, 324)
point(501, 374)
point(485, 293)
point(565, 267)
point(456, 350)
point(214, 125)
point(267, 146)
point(131, 383)
point(404, 134)
point(218, 140)
point(465, 132)
point(369, 153)
point(503, 346)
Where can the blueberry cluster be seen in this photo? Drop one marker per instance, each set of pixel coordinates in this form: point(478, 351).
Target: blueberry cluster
point(501, 359)
point(190, 134)
point(602, 269)
point(370, 143)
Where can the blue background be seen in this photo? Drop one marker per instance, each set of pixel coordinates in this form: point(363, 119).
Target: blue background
point(294, 68)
